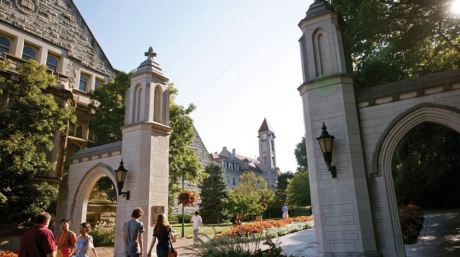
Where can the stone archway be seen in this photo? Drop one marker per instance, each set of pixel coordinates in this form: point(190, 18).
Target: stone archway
point(84, 190)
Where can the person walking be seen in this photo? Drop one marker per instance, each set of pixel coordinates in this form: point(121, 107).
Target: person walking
point(39, 240)
point(84, 242)
point(66, 240)
point(285, 211)
point(163, 232)
point(132, 234)
point(196, 220)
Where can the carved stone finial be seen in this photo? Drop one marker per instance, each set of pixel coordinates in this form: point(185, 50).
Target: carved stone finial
point(150, 54)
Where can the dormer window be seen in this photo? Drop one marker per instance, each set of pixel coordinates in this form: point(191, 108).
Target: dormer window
point(97, 84)
point(28, 53)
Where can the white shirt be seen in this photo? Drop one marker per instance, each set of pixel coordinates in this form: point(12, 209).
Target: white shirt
point(196, 221)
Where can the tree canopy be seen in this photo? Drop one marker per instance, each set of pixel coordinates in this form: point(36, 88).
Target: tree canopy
point(298, 191)
point(27, 129)
point(426, 172)
point(394, 40)
point(301, 155)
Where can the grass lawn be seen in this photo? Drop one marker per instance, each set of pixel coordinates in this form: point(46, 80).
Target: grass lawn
point(208, 229)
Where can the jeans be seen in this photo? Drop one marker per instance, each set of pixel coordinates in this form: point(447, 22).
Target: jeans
point(195, 235)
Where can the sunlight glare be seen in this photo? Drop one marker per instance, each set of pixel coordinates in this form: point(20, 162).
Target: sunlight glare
point(456, 6)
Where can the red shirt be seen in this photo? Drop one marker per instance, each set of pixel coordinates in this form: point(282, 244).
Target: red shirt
point(62, 240)
point(37, 242)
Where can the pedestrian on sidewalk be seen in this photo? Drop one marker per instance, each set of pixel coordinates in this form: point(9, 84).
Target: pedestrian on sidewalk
point(196, 220)
point(164, 232)
point(132, 234)
point(39, 240)
point(67, 239)
point(84, 242)
point(285, 211)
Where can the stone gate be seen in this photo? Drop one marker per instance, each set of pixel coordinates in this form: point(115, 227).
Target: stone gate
point(144, 150)
point(356, 213)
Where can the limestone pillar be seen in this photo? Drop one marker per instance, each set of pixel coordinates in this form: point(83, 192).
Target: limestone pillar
point(343, 218)
point(145, 148)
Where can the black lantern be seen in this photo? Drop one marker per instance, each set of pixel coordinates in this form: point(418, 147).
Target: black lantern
point(326, 142)
point(121, 175)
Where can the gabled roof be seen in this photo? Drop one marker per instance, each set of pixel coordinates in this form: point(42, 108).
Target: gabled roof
point(265, 126)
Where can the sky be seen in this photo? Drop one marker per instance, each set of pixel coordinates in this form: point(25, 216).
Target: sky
point(238, 61)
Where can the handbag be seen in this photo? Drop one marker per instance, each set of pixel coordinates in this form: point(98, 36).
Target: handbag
point(172, 252)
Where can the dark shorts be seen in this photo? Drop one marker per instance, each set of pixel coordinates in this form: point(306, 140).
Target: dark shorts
point(162, 253)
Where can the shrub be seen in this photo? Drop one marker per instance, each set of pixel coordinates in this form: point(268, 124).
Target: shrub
point(103, 237)
point(173, 218)
point(187, 218)
point(411, 218)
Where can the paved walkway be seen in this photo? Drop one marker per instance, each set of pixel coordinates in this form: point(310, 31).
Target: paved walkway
point(440, 237)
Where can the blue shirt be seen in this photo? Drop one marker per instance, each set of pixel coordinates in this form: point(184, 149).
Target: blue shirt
point(285, 209)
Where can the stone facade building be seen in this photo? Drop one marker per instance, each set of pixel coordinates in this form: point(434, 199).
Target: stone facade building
point(265, 165)
point(55, 34)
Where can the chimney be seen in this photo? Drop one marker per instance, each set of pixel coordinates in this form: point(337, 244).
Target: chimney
point(234, 152)
point(224, 148)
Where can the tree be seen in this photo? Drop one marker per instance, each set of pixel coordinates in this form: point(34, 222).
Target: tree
point(246, 198)
point(301, 156)
point(213, 194)
point(298, 191)
point(281, 187)
point(108, 101)
point(27, 129)
point(426, 172)
point(395, 40)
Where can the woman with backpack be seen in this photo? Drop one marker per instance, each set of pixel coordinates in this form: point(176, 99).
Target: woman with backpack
point(163, 232)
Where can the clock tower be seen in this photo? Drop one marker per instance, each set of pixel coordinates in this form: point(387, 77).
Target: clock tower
point(267, 154)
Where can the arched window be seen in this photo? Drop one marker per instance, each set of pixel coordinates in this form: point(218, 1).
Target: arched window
point(79, 130)
point(157, 105)
point(28, 53)
point(52, 63)
point(4, 44)
point(83, 81)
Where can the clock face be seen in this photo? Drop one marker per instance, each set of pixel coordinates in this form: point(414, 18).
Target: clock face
point(264, 137)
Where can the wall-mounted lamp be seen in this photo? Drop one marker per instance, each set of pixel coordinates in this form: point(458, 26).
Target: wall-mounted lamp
point(121, 176)
point(326, 142)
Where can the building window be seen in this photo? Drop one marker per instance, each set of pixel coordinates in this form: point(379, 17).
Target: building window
point(4, 44)
point(234, 180)
point(97, 84)
point(230, 165)
point(265, 160)
point(273, 146)
point(83, 81)
point(76, 130)
point(224, 164)
point(228, 178)
point(28, 53)
point(52, 63)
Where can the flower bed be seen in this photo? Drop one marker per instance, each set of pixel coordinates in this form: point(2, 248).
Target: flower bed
point(272, 228)
point(411, 218)
point(7, 253)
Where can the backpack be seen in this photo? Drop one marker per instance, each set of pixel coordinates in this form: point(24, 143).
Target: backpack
point(232, 220)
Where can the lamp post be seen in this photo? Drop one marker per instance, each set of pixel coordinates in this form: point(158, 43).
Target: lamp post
point(326, 143)
point(121, 176)
point(183, 229)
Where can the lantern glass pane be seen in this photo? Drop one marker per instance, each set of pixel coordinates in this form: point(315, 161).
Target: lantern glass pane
point(124, 175)
point(322, 144)
point(119, 175)
point(328, 144)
